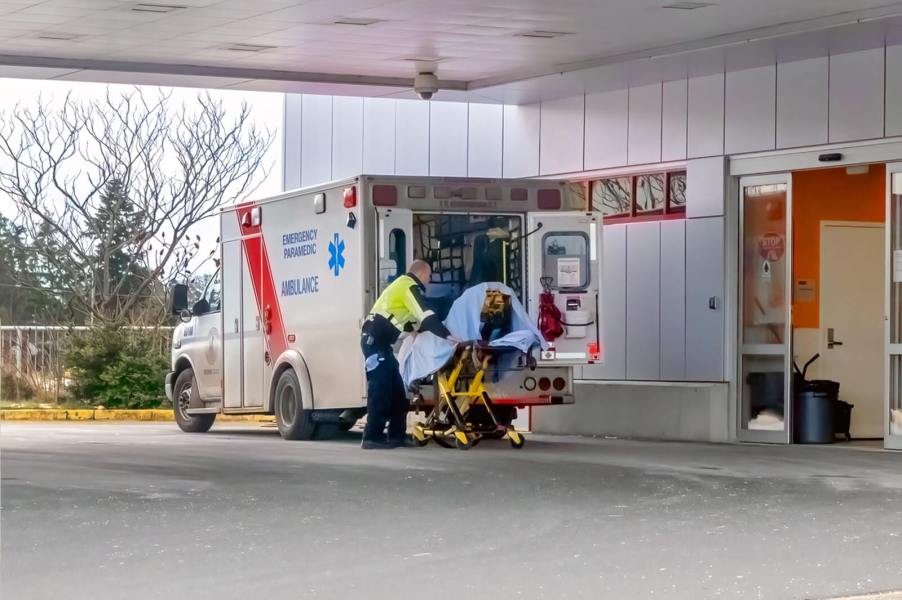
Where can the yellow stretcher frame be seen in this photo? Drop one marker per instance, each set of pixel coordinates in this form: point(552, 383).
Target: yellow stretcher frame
point(456, 397)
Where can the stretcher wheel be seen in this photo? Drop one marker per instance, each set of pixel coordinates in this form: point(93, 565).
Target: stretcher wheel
point(441, 441)
point(517, 441)
point(462, 441)
point(420, 442)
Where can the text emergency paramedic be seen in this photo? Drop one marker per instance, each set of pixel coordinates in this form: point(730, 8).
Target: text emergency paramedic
point(399, 308)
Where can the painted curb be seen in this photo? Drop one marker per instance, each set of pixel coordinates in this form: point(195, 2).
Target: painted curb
point(92, 414)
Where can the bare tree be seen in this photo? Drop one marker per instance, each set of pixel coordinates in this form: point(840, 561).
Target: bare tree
point(108, 190)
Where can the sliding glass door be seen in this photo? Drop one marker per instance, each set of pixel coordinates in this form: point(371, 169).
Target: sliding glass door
point(765, 328)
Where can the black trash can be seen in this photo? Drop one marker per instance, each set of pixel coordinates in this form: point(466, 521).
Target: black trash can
point(816, 406)
point(814, 417)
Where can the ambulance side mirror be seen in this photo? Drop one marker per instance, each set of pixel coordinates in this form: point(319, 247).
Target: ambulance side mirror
point(178, 298)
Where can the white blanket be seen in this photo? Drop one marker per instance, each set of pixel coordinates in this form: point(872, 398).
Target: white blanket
point(423, 354)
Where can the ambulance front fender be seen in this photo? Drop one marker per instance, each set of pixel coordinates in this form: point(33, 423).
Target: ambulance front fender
point(292, 359)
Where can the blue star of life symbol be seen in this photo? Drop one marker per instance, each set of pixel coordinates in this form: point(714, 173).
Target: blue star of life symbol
point(336, 255)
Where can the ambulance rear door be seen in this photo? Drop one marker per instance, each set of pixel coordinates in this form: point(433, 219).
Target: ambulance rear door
point(395, 251)
point(564, 259)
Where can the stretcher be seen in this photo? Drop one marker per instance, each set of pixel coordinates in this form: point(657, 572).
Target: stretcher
point(461, 393)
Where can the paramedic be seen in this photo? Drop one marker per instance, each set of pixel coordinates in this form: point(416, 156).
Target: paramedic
point(401, 307)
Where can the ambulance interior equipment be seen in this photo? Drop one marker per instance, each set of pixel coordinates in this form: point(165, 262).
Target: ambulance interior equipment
point(467, 249)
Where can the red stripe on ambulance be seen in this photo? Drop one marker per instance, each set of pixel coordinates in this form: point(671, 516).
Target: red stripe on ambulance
point(261, 276)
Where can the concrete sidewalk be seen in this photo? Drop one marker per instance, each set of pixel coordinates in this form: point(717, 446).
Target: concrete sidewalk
point(139, 511)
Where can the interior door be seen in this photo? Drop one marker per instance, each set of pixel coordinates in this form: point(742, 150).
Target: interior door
point(232, 278)
point(765, 327)
point(395, 234)
point(564, 259)
point(851, 319)
point(893, 313)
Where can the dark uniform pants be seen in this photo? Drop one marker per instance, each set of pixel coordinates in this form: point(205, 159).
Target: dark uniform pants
point(386, 399)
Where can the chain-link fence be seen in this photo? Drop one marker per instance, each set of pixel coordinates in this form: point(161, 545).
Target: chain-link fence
point(35, 360)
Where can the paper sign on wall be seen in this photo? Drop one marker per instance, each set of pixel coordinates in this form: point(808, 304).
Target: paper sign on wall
point(805, 291)
point(568, 270)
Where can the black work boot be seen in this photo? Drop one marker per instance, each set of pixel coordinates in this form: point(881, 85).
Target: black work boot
point(376, 445)
point(405, 442)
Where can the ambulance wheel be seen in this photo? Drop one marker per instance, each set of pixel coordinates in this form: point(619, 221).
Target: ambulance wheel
point(184, 396)
point(294, 422)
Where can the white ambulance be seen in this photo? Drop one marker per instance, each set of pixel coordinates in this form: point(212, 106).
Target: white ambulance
point(277, 330)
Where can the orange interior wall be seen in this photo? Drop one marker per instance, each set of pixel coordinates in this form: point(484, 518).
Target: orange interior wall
point(828, 195)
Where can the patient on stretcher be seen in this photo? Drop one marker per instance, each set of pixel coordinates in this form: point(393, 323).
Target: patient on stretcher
point(488, 312)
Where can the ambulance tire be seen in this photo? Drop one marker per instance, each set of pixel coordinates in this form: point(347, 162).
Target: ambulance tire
point(184, 395)
point(294, 422)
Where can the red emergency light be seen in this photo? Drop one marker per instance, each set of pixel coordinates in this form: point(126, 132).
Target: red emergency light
point(350, 196)
point(593, 349)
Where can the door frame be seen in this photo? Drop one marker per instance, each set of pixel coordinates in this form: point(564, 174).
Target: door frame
point(744, 434)
point(890, 441)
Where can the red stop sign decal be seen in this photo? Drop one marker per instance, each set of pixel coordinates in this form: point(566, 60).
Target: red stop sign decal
point(772, 246)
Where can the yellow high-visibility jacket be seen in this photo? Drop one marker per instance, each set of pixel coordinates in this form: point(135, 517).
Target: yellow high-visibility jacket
point(402, 307)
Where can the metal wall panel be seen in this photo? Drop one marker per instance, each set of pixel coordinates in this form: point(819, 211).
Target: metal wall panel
point(893, 90)
point(484, 141)
point(705, 115)
point(561, 136)
point(856, 95)
point(520, 152)
point(673, 120)
point(802, 102)
point(645, 124)
point(607, 123)
point(673, 300)
point(704, 299)
point(316, 140)
point(411, 137)
point(347, 136)
point(379, 136)
point(643, 297)
point(613, 306)
point(291, 142)
point(705, 186)
point(448, 139)
point(750, 112)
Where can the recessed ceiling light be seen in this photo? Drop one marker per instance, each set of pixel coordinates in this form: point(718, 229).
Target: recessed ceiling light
point(53, 35)
point(247, 47)
point(688, 5)
point(543, 34)
point(157, 8)
point(355, 21)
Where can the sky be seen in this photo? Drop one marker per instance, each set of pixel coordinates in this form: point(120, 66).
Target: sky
point(266, 112)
